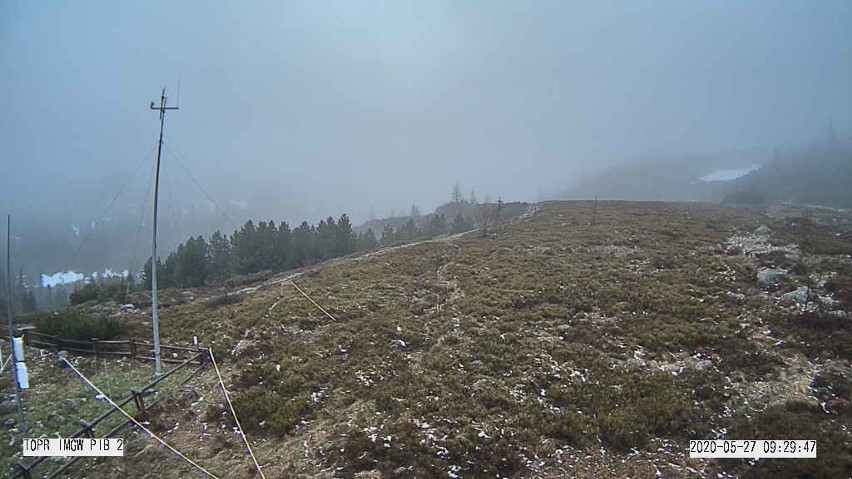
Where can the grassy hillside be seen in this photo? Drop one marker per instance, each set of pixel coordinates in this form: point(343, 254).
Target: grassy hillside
point(573, 342)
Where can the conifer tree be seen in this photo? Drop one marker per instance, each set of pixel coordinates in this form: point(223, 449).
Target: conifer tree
point(437, 225)
point(283, 247)
point(345, 240)
point(367, 240)
point(219, 256)
point(409, 231)
point(389, 236)
point(457, 194)
point(303, 249)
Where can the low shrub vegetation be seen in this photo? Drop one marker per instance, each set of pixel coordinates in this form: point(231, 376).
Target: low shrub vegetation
point(76, 325)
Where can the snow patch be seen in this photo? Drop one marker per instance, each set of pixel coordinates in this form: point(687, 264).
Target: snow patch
point(60, 278)
point(728, 175)
point(69, 277)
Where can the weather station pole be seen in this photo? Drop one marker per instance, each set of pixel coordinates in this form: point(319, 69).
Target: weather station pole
point(22, 426)
point(158, 367)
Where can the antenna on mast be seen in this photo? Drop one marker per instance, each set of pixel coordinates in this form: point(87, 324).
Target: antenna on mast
point(158, 367)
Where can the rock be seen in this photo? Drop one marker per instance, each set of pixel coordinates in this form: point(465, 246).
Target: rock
point(827, 302)
point(768, 276)
point(704, 364)
point(480, 384)
point(763, 230)
point(799, 296)
point(838, 314)
point(735, 296)
point(9, 422)
point(563, 328)
point(71, 403)
point(374, 474)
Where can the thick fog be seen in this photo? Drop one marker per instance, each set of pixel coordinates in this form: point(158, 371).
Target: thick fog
point(300, 110)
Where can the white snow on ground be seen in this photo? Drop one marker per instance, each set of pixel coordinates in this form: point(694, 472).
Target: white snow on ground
point(69, 277)
point(60, 278)
point(728, 175)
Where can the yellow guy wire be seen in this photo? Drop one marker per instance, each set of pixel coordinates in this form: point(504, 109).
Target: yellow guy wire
point(311, 300)
point(234, 413)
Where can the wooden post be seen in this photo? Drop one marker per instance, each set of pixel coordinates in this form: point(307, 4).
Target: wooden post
point(132, 348)
point(139, 400)
point(27, 333)
point(95, 347)
point(87, 427)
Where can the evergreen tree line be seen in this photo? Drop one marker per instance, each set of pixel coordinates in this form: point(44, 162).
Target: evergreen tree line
point(103, 289)
point(267, 246)
point(23, 298)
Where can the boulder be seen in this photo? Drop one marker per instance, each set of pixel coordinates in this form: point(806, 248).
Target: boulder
point(799, 296)
point(767, 276)
point(703, 364)
point(763, 230)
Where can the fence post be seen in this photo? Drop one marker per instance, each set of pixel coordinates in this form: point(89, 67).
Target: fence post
point(95, 347)
point(139, 400)
point(132, 348)
point(26, 334)
point(87, 428)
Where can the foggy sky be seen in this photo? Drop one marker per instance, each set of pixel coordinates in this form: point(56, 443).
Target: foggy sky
point(303, 109)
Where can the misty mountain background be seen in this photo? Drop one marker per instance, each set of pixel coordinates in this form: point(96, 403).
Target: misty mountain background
point(818, 174)
point(294, 111)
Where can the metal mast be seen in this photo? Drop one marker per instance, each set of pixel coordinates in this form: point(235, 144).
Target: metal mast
point(12, 360)
point(158, 367)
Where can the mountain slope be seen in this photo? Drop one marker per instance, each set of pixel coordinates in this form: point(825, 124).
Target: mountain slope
point(577, 341)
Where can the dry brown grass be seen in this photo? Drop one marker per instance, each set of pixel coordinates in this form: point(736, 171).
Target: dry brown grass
point(569, 331)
